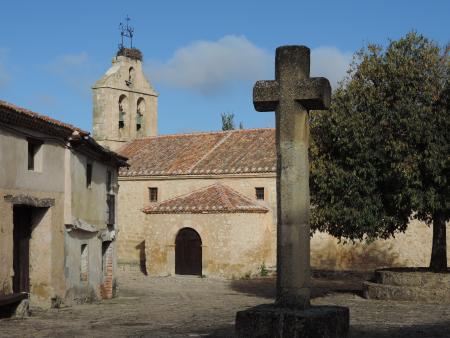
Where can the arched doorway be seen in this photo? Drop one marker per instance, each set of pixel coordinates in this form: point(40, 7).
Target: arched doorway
point(188, 253)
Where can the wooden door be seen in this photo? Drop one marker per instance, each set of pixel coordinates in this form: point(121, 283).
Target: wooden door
point(188, 253)
point(21, 248)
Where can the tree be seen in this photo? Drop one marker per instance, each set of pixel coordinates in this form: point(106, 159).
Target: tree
point(227, 121)
point(380, 155)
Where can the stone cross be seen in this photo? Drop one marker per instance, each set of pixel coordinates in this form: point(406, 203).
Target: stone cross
point(291, 96)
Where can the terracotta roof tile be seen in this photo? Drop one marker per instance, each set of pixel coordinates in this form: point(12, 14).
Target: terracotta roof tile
point(236, 151)
point(216, 198)
point(12, 115)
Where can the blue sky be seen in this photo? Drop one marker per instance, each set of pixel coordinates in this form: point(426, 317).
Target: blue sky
point(201, 56)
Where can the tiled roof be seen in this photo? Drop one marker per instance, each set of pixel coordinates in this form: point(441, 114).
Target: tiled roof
point(214, 153)
point(12, 115)
point(216, 198)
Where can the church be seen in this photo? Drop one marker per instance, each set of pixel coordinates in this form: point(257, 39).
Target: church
point(205, 203)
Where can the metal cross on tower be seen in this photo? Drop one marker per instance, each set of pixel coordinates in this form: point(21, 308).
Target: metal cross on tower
point(126, 31)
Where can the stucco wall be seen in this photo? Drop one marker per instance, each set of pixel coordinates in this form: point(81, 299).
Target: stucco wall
point(14, 173)
point(134, 196)
point(60, 176)
point(88, 204)
point(412, 248)
point(46, 182)
point(233, 245)
point(46, 247)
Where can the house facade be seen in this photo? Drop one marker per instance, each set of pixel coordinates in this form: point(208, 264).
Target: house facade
point(58, 202)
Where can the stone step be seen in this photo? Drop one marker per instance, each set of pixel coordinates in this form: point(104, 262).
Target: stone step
point(406, 293)
point(413, 277)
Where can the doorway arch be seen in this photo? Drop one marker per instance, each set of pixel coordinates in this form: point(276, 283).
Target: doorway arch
point(188, 252)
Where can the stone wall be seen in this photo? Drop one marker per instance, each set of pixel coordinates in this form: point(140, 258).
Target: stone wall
point(233, 245)
point(109, 90)
point(134, 196)
point(46, 246)
point(412, 248)
point(57, 194)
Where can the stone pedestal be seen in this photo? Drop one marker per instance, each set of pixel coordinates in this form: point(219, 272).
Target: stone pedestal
point(270, 321)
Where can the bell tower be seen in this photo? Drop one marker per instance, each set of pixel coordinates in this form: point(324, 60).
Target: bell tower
point(125, 105)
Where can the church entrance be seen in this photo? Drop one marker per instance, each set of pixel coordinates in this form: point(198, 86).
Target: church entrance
point(188, 253)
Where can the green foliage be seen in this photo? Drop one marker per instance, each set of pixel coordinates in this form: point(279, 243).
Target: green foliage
point(241, 125)
point(263, 272)
point(380, 155)
point(227, 121)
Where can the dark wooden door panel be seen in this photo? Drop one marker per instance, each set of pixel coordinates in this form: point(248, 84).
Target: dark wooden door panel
point(188, 253)
point(21, 248)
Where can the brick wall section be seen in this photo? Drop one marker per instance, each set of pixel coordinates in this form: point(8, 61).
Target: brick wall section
point(106, 289)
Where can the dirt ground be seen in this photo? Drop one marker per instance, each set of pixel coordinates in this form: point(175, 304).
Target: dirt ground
point(196, 307)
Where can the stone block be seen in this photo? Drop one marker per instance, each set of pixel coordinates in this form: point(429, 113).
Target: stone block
point(271, 321)
point(409, 284)
point(22, 310)
point(406, 293)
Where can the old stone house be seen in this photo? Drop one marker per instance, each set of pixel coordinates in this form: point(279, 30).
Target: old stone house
point(205, 203)
point(58, 201)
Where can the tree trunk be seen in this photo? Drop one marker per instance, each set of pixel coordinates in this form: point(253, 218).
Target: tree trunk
point(438, 261)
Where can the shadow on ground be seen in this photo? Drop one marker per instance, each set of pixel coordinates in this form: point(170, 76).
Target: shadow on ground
point(436, 330)
point(322, 282)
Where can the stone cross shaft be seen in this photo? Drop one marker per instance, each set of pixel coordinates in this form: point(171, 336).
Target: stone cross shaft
point(291, 96)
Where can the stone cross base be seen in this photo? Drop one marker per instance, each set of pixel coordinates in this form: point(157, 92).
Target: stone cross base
point(270, 321)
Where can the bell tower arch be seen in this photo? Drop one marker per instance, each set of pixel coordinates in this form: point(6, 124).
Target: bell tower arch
point(125, 105)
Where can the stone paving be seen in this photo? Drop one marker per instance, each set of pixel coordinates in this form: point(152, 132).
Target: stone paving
point(197, 307)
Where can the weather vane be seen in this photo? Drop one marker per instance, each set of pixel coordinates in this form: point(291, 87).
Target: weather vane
point(126, 31)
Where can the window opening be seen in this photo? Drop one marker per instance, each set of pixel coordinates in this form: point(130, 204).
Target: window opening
point(259, 193)
point(140, 113)
point(122, 110)
point(33, 148)
point(84, 263)
point(88, 175)
point(153, 194)
point(108, 181)
point(111, 209)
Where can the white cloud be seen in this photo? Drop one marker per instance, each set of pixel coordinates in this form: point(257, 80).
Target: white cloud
point(68, 62)
point(208, 66)
point(75, 70)
point(4, 75)
point(331, 63)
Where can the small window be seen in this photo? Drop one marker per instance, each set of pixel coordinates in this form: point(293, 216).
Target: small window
point(259, 193)
point(33, 149)
point(88, 175)
point(84, 267)
point(108, 181)
point(153, 194)
point(110, 209)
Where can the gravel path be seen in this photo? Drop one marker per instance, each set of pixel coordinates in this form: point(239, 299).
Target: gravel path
point(196, 307)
